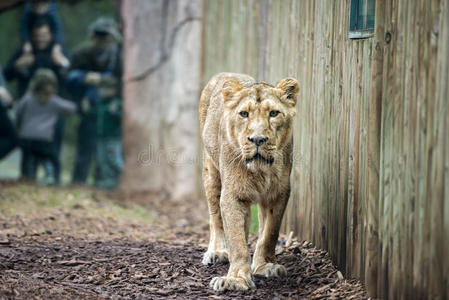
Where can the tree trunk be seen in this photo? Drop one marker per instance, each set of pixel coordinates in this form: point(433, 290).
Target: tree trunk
point(162, 41)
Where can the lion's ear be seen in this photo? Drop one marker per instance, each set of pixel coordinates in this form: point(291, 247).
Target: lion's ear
point(230, 87)
point(290, 88)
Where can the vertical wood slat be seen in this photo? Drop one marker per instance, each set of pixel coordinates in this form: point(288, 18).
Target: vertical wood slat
point(437, 133)
point(443, 95)
point(370, 181)
point(374, 133)
point(335, 67)
point(385, 162)
point(419, 136)
point(409, 133)
point(395, 149)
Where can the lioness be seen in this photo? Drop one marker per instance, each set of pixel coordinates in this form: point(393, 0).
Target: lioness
point(246, 129)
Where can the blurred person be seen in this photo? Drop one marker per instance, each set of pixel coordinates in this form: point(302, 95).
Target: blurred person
point(42, 11)
point(8, 138)
point(21, 67)
point(37, 116)
point(95, 75)
point(109, 140)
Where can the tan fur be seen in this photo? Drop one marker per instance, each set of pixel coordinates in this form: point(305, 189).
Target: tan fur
point(235, 177)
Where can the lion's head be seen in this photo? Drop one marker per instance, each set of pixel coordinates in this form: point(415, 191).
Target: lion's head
point(259, 119)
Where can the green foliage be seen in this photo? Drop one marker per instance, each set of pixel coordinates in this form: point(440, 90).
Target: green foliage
point(254, 227)
point(9, 37)
point(9, 33)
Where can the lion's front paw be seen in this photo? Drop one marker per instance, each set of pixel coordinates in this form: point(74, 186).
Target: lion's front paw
point(270, 270)
point(229, 283)
point(213, 257)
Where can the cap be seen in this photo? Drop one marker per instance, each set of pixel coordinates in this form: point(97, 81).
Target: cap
point(105, 26)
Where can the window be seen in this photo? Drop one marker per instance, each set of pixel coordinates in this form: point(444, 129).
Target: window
point(361, 22)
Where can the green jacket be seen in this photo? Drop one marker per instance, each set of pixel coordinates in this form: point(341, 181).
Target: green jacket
point(109, 118)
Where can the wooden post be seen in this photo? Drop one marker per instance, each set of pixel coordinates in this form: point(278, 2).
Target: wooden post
point(438, 90)
point(374, 132)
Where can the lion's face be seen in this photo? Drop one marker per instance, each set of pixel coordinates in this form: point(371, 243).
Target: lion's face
point(259, 119)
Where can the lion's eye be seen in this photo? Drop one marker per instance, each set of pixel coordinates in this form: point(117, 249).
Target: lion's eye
point(274, 113)
point(244, 114)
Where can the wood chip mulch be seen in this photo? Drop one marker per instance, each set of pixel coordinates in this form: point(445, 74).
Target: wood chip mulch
point(68, 254)
point(70, 268)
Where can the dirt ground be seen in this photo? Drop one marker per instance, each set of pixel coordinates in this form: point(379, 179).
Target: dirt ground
point(73, 243)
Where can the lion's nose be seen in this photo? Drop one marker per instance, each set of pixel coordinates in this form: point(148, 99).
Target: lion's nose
point(258, 140)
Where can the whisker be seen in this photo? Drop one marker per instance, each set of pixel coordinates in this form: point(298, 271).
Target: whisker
point(238, 155)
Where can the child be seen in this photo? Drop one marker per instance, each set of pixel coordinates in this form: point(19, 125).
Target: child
point(39, 11)
point(109, 140)
point(37, 115)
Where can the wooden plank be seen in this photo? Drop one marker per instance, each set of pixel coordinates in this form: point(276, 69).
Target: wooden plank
point(397, 284)
point(427, 66)
point(385, 158)
point(421, 270)
point(419, 142)
point(363, 156)
point(443, 94)
point(409, 154)
point(330, 140)
point(412, 157)
point(292, 59)
point(438, 84)
point(335, 74)
point(322, 118)
point(307, 127)
point(353, 100)
point(342, 141)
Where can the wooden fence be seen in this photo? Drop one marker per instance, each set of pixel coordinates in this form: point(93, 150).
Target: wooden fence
point(370, 180)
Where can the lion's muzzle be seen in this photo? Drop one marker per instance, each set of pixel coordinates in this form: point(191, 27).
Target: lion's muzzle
point(259, 155)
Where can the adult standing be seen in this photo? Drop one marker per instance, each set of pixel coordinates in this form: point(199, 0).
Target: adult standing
point(22, 66)
point(95, 73)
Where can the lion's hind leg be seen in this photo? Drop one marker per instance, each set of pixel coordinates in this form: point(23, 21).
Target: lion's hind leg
point(217, 250)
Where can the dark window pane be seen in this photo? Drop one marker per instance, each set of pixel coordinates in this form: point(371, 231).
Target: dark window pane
point(371, 7)
point(361, 14)
point(361, 17)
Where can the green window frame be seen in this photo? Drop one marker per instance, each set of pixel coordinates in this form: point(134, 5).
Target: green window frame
point(361, 22)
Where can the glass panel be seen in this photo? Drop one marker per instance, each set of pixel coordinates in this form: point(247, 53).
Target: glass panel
point(362, 15)
point(370, 10)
